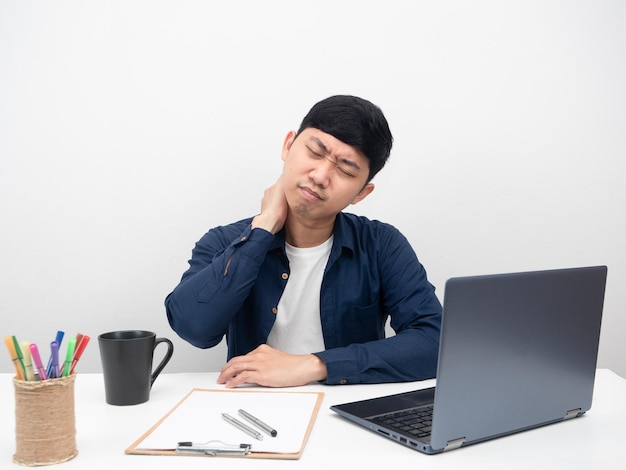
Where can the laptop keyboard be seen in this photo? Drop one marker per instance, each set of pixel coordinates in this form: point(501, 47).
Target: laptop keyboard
point(416, 421)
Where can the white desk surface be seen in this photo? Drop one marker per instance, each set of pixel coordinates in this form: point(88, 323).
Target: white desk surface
point(595, 440)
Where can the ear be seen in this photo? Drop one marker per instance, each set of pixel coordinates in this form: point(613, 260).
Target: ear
point(366, 191)
point(288, 142)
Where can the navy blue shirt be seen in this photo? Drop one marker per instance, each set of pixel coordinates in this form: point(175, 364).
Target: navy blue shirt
point(237, 275)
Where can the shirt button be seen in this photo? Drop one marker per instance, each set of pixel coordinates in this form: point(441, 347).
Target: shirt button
point(285, 276)
point(343, 382)
point(244, 238)
point(274, 310)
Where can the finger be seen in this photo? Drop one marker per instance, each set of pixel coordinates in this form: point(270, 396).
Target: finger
point(222, 378)
point(240, 379)
point(227, 373)
point(236, 366)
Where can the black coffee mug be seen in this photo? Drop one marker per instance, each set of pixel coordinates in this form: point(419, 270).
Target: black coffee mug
point(127, 364)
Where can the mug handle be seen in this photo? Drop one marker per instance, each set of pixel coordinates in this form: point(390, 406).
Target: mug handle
point(165, 360)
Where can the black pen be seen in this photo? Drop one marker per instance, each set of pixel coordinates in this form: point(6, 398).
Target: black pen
point(257, 422)
point(238, 424)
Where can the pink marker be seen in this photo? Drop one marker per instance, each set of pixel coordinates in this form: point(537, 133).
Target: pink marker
point(34, 352)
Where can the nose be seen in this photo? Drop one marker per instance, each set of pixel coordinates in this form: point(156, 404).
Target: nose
point(322, 171)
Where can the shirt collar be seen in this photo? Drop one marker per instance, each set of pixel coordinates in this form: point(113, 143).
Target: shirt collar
point(340, 232)
point(342, 238)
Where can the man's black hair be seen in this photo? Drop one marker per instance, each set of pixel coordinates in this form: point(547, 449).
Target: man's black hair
point(356, 122)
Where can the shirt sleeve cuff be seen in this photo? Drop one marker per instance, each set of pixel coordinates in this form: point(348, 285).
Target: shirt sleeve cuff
point(341, 367)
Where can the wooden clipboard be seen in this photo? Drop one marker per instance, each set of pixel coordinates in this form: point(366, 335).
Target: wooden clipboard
point(197, 418)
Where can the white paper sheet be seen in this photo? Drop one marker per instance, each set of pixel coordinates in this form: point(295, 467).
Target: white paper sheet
point(199, 419)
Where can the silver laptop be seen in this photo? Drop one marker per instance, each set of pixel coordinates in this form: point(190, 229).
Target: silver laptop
point(517, 351)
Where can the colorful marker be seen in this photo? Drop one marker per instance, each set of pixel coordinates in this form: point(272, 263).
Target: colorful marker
point(59, 340)
point(34, 352)
point(28, 365)
point(54, 356)
point(79, 350)
point(20, 357)
point(71, 345)
point(19, 372)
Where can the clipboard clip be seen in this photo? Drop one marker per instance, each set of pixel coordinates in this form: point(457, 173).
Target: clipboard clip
point(212, 448)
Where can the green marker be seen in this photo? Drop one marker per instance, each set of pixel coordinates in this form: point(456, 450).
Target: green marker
point(20, 357)
point(68, 357)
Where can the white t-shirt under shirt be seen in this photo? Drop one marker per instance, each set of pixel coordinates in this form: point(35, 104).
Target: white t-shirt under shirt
point(297, 329)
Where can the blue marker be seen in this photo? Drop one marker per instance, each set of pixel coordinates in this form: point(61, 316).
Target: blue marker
point(58, 340)
point(54, 357)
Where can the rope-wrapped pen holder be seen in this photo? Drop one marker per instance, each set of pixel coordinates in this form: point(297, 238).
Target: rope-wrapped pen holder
point(45, 427)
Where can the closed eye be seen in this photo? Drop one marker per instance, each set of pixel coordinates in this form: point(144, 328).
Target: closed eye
point(314, 153)
point(344, 166)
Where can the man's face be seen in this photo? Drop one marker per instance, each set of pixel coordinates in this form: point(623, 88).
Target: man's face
point(322, 175)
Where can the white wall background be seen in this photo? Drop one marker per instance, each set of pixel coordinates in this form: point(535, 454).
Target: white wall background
point(129, 128)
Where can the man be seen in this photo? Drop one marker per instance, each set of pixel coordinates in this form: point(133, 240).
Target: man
point(302, 290)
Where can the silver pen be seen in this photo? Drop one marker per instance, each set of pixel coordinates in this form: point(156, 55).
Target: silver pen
point(257, 422)
point(238, 424)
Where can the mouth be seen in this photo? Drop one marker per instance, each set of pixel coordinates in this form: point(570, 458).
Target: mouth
point(310, 194)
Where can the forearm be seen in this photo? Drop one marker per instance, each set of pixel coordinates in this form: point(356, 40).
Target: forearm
point(213, 289)
point(408, 356)
point(199, 322)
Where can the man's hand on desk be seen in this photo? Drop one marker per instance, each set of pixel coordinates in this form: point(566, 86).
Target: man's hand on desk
point(270, 367)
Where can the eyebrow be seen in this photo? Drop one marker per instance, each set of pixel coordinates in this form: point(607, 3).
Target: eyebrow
point(344, 160)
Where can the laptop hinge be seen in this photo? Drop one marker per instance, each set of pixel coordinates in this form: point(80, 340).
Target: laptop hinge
point(572, 413)
point(454, 444)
